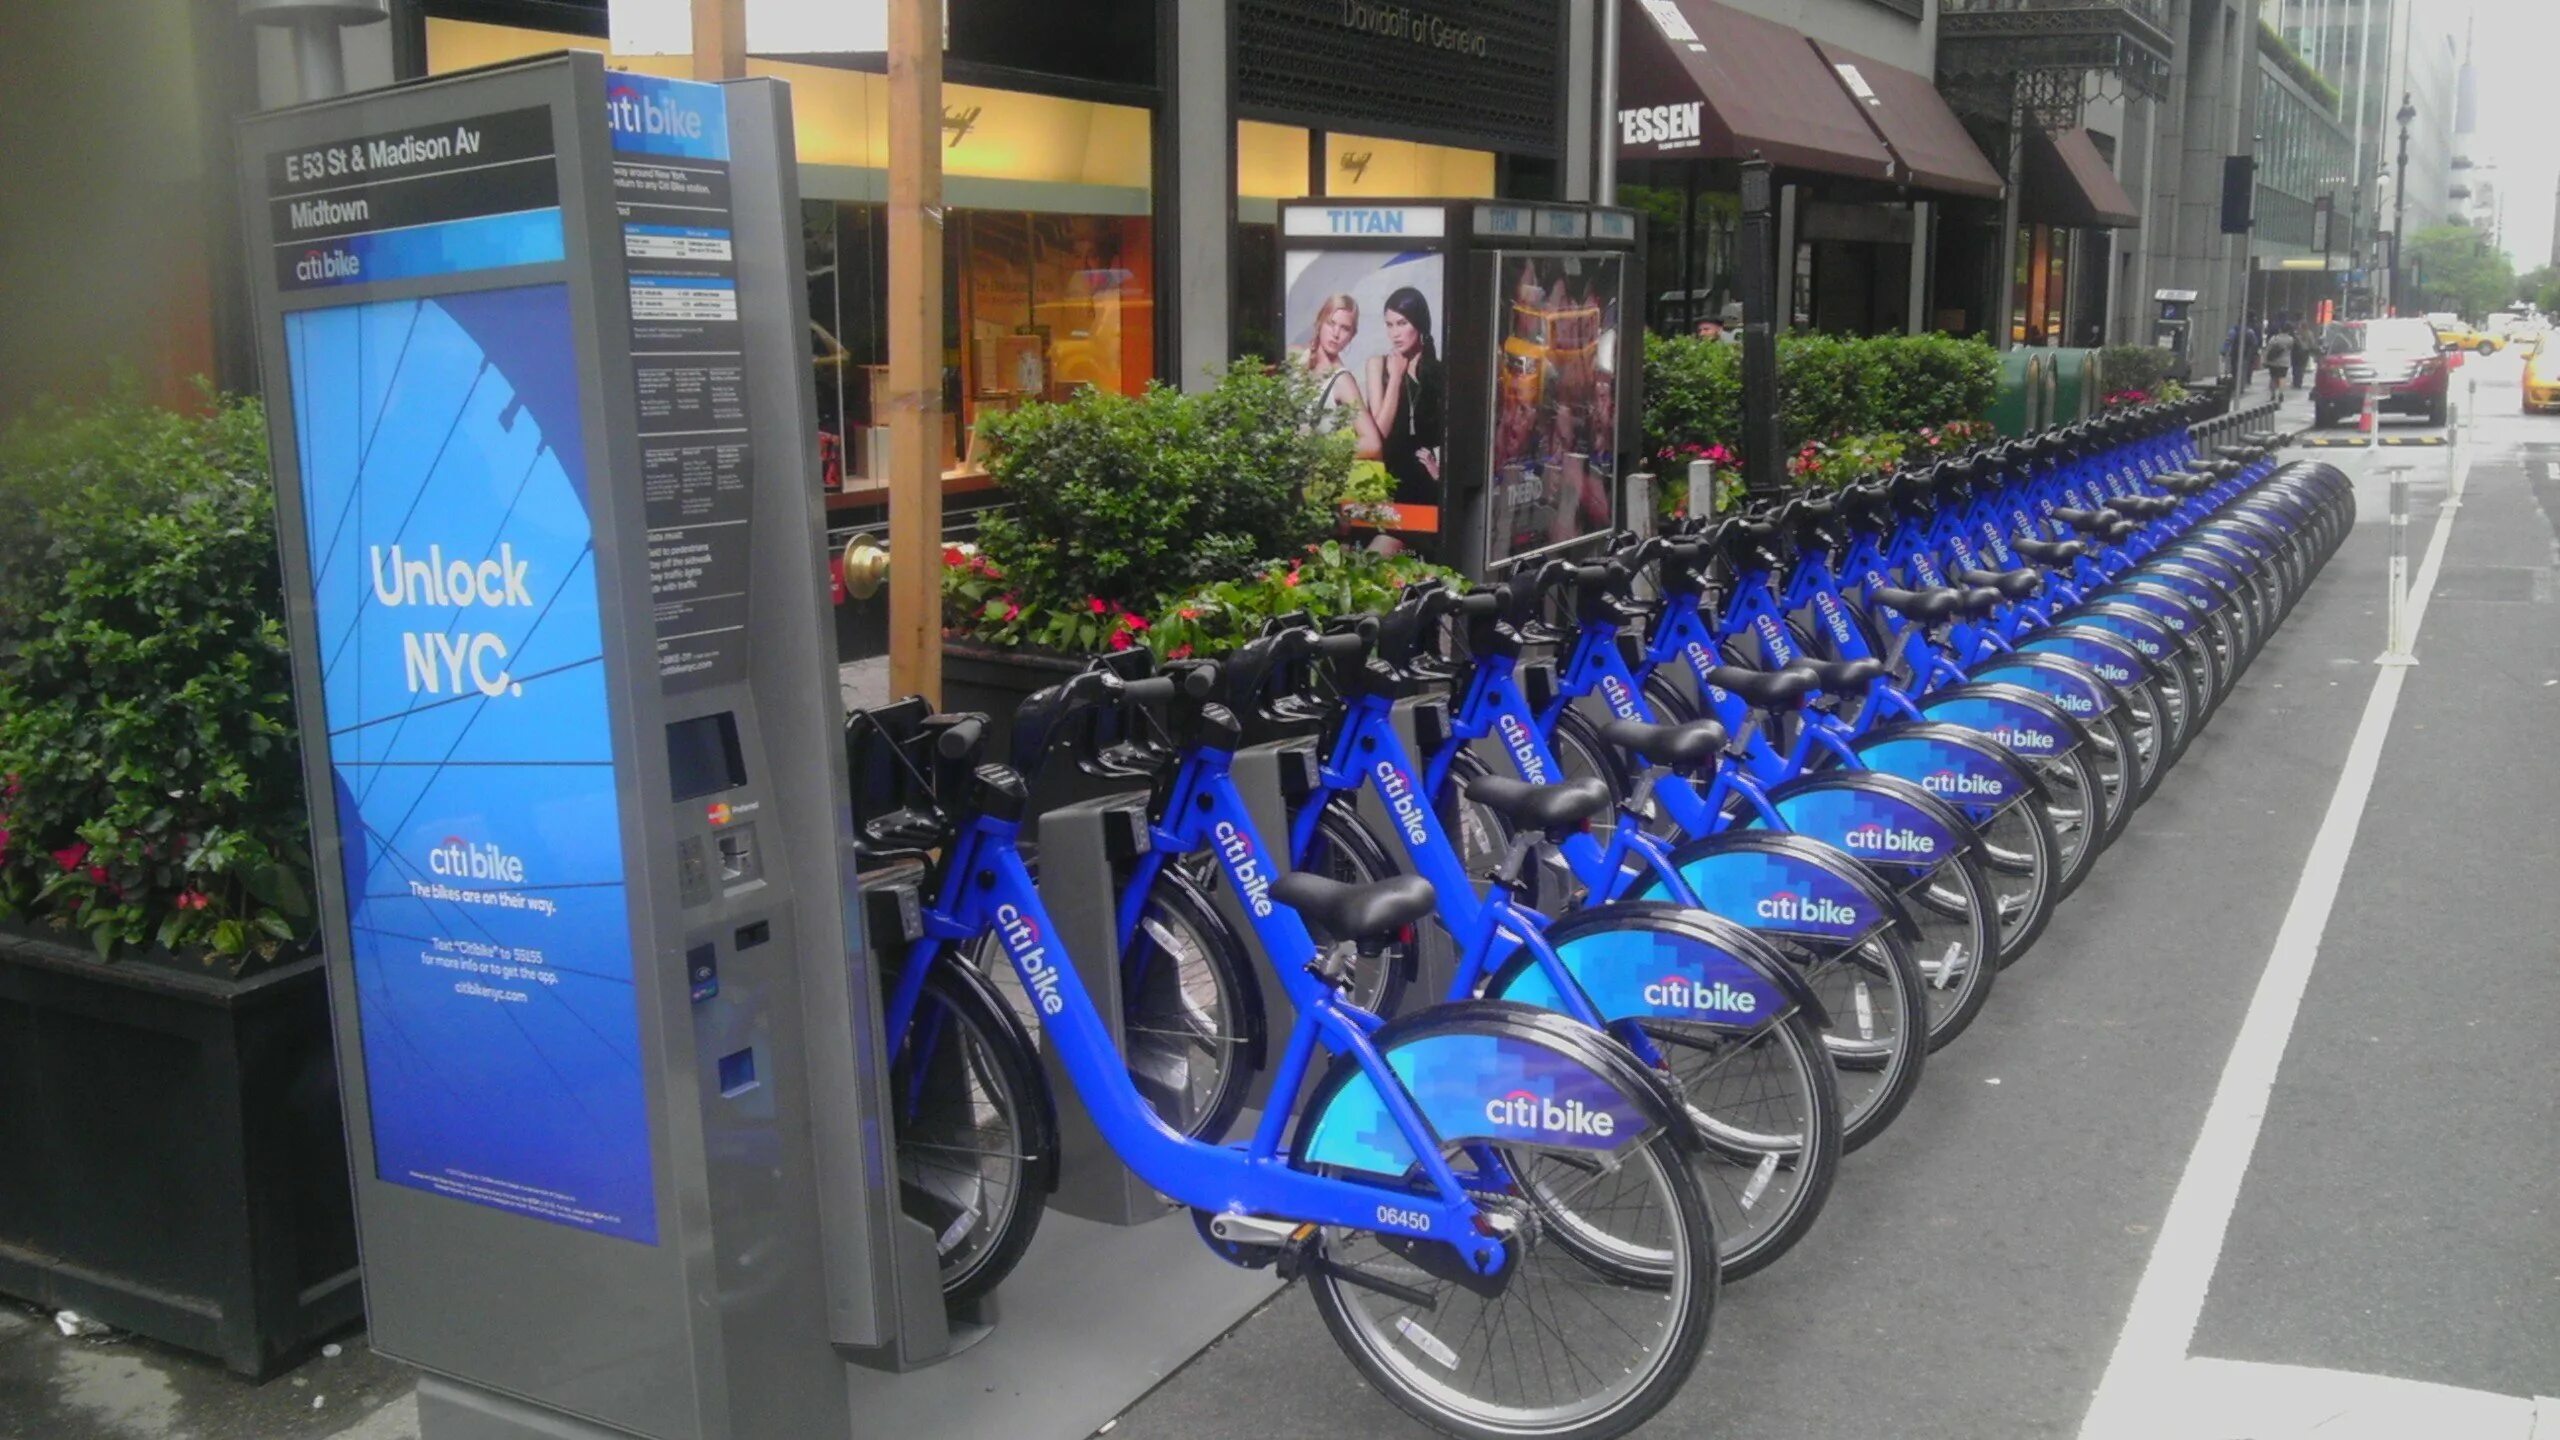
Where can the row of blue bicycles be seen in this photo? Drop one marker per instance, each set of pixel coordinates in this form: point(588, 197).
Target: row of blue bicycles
point(1613, 904)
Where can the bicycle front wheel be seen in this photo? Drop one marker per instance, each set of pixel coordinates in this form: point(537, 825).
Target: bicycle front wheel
point(977, 1149)
point(1561, 1347)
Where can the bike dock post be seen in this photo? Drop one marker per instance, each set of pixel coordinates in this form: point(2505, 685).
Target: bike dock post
point(2396, 651)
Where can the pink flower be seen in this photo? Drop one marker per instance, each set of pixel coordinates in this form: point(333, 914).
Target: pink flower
point(70, 856)
point(1188, 613)
point(1134, 623)
point(97, 874)
point(1011, 611)
point(1094, 602)
point(1120, 640)
point(1178, 652)
point(9, 788)
point(193, 900)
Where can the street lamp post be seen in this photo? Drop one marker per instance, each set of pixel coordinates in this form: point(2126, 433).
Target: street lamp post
point(2400, 195)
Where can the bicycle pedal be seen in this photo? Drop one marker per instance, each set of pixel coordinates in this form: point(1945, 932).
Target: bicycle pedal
point(1251, 1242)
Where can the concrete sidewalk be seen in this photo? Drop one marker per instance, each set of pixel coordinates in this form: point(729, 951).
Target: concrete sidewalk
point(116, 1387)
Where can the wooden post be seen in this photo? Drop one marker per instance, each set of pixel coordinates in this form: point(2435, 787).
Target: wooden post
point(719, 39)
point(915, 348)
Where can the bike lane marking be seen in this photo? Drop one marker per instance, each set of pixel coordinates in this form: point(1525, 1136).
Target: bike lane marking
point(2151, 1387)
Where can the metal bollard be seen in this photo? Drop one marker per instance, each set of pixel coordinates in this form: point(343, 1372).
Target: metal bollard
point(2396, 612)
point(1702, 489)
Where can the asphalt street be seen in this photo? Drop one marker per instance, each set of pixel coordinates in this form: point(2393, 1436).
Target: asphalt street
point(1974, 1271)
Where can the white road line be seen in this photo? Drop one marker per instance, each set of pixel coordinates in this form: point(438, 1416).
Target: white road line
point(2218, 1398)
point(2144, 1373)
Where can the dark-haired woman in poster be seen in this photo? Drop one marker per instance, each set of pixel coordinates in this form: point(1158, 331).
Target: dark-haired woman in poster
point(1404, 399)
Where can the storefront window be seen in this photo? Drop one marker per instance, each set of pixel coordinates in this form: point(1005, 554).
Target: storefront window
point(1048, 260)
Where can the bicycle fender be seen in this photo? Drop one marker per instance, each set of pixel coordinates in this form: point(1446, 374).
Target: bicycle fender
point(1787, 885)
point(1649, 959)
point(2023, 721)
point(2156, 600)
point(1951, 762)
point(1486, 1070)
point(2112, 656)
point(2136, 628)
point(1879, 819)
point(2082, 693)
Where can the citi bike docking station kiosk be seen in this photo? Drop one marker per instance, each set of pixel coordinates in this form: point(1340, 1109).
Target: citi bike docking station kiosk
point(534, 344)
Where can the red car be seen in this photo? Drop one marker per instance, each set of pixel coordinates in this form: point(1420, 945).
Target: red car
point(2401, 360)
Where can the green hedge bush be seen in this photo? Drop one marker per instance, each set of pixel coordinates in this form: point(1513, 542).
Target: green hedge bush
point(1830, 388)
point(153, 785)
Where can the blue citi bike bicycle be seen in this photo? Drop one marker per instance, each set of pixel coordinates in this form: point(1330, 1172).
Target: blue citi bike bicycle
point(1493, 1207)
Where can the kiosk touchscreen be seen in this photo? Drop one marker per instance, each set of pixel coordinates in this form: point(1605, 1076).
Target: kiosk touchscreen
point(532, 342)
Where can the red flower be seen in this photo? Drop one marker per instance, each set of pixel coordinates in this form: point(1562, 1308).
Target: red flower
point(1120, 640)
point(1011, 610)
point(1134, 623)
point(1178, 652)
point(1290, 579)
point(1094, 602)
point(97, 874)
point(193, 900)
point(70, 856)
point(1188, 613)
point(954, 555)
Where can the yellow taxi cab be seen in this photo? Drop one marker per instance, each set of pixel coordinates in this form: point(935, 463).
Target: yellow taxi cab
point(2542, 376)
point(2457, 335)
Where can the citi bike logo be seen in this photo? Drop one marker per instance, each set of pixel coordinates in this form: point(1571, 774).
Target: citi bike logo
point(335, 263)
point(1809, 909)
point(2077, 704)
point(1702, 660)
point(1878, 839)
point(1402, 802)
point(2039, 741)
point(1251, 882)
point(1950, 782)
point(636, 112)
point(1622, 701)
point(1774, 640)
point(461, 859)
point(1674, 992)
point(1833, 617)
point(1524, 748)
point(1522, 1110)
point(1022, 941)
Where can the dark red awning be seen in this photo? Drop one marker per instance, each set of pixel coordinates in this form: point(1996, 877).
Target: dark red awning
point(1913, 120)
point(1703, 81)
point(2065, 181)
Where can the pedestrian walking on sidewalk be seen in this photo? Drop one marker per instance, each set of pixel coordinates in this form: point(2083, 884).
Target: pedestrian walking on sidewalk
point(2303, 342)
point(2279, 357)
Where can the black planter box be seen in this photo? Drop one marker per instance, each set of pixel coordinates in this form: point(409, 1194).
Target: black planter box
point(171, 1161)
point(995, 682)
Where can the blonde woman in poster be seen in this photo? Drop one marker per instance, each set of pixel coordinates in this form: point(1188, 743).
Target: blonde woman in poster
point(1337, 324)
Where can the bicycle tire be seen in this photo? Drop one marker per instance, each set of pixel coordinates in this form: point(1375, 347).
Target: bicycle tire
point(980, 1233)
point(1694, 1279)
point(1163, 1002)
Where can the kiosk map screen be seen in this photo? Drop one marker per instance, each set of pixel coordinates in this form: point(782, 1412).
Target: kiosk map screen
point(444, 488)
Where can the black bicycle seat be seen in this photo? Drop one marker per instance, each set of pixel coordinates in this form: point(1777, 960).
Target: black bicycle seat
point(1765, 689)
point(1840, 677)
point(1922, 605)
point(2143, 507)
point(1679, 748)
point(2014, 584)
point(1549, 809)
point(2050, 552)
point(1355, 912)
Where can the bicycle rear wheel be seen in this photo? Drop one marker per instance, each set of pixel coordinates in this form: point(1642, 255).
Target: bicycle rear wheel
point(1560, 1348)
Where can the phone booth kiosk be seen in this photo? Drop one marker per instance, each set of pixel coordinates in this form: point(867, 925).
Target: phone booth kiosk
point(2171, 328)
point(1486, 356)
